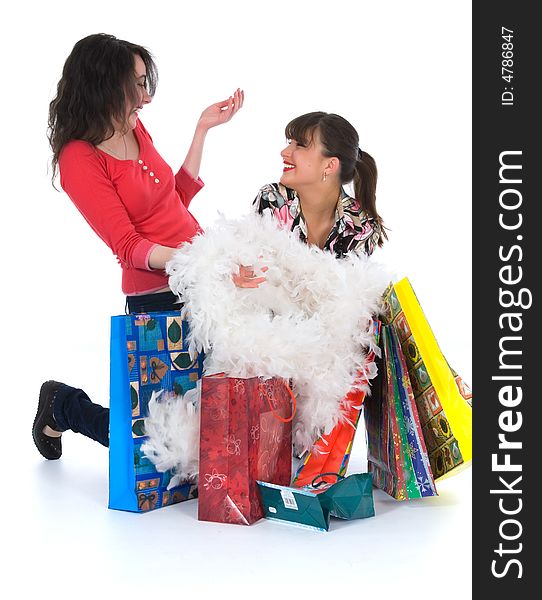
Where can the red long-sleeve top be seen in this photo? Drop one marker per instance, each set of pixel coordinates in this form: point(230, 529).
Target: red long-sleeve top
point(133, 205)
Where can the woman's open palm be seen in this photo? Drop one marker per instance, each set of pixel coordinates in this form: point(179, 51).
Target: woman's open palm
point(221, 112)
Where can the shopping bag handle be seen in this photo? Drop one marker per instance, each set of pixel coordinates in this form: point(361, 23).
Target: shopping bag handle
point(322, 475)
point(275, 414)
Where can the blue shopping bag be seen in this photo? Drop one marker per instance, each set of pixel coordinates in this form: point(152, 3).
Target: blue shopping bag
point(149, 353)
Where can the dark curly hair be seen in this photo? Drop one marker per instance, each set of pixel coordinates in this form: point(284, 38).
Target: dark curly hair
point(97, 81)
point(340, 139)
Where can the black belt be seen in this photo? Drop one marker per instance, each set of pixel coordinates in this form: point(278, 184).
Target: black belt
point(159, 302)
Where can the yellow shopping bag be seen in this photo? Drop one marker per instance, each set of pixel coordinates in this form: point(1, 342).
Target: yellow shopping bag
point(442, 398)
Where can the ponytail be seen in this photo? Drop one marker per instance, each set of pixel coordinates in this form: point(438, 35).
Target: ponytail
point(365, 177)
point(340, 139)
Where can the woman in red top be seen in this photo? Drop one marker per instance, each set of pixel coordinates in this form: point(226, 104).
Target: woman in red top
point(124, 189)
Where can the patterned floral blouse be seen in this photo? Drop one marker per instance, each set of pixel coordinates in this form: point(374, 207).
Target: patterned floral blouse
point(353, 229)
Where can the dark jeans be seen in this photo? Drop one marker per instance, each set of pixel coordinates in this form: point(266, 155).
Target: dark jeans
point(73, 409)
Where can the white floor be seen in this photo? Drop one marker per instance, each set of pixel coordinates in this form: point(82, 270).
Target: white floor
point(61, 540)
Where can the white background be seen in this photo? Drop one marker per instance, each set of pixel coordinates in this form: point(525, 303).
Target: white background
point(400, 72)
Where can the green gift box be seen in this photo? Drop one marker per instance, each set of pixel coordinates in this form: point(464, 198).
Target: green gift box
point(312, 506)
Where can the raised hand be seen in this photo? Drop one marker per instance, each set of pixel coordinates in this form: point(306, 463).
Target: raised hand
point(221, 112)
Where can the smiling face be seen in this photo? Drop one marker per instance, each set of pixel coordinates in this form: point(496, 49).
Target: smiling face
point(142, 96)
point(303, 164)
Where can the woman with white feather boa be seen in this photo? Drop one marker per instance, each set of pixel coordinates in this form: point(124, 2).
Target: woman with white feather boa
point(307, 317)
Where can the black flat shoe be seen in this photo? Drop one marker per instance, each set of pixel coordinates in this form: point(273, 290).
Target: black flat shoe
point(50, 447)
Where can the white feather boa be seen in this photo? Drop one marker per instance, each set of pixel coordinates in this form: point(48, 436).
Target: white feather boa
point(172, 430)
point(309, 322)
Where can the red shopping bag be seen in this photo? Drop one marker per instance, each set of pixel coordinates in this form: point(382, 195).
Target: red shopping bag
point(246, 436)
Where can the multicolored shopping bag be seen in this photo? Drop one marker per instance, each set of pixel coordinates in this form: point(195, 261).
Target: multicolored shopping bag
point(149, 353)
point(312, 506)
point(443, 399)
point(246, 435)
point(397, 455)
point(331, 452)
point(419, 421)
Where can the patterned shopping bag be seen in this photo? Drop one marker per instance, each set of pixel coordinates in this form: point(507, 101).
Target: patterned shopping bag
point(419, 423)
point(442, 398)
point(397, 455)
point(246, 435)
point(149, 353)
